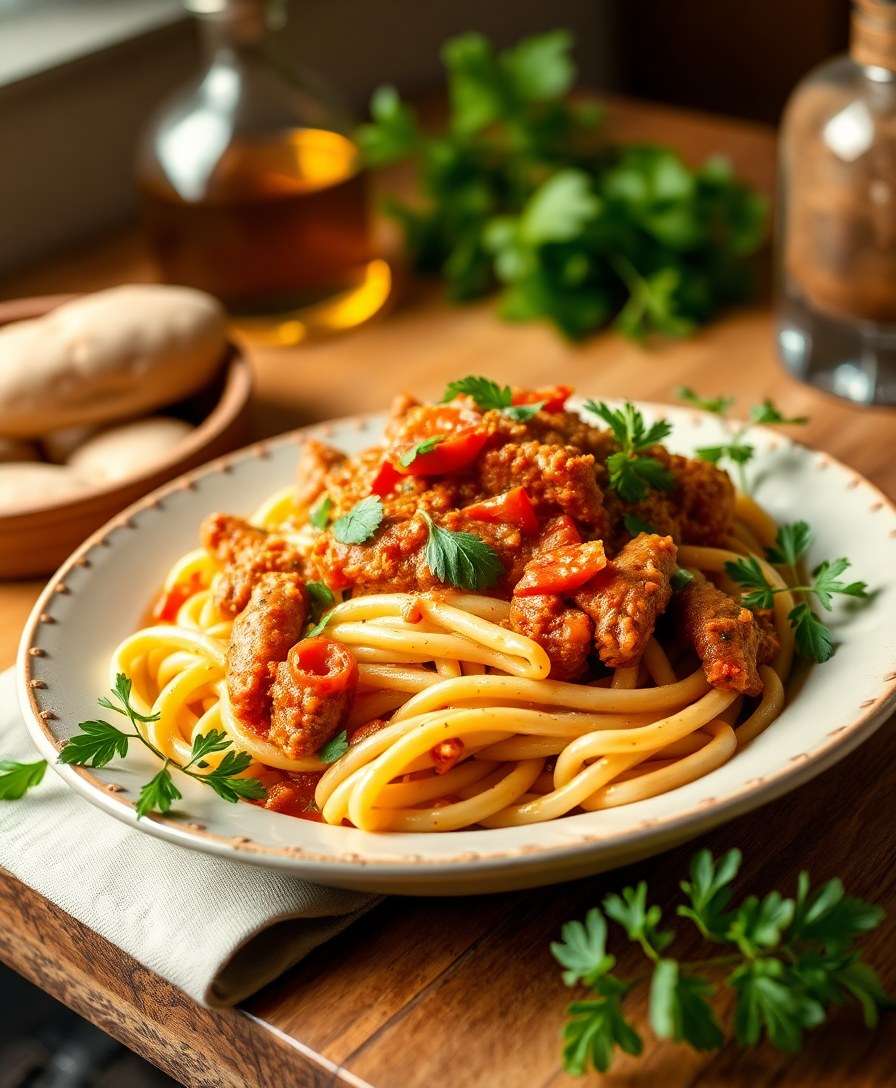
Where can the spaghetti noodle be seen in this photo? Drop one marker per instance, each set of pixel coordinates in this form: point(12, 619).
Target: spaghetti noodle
point(456, 720)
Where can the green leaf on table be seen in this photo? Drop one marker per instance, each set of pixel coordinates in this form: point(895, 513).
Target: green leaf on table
point(581, 951)
point(679, 1008)
point(709, 892)
point(17, 778)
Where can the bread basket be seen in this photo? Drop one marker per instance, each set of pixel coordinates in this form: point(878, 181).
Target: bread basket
point(36, 540)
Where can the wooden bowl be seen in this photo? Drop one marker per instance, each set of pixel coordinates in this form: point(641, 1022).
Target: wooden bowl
point(36, 540)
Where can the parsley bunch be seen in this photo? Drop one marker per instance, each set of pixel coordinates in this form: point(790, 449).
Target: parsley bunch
point(632, 472)
point(99, 742)
point(814, 639)
point(736, 450)
point(519, 190)
point(786, 961)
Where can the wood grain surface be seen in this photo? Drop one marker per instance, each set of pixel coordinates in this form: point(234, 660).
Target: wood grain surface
point(463, 993)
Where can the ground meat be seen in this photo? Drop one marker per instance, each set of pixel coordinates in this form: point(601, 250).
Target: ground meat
point(725, 635)
point(311, 695)
point(769, 643)
point(626, 598)
point(564, 632)
point(245, 552)
point(558, 479)
point(262, 635)
point(316, 460)
point(393, 559)
point(705, 497)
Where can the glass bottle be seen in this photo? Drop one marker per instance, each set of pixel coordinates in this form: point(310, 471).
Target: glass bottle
point(252, 189)
point(836, 236)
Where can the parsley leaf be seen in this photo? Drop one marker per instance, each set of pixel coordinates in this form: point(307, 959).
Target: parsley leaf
point(460, 559)
point(334, 749)
point(393, 132)
point(635, 525)
point(787, 961)
point(320, 598)
point(681, 578)
point(122, 704)
point(768, 1001)
point(639, 921)
point(595, 1028)
point(582, 950)
point(748, 572)
point(97, 744)
point(522, 412)
point(17, 778)
point(158, 795)
point(791, 544)
point(813, 638)
point(225, 779)
point(767, 412)
point(631, 473)
point(717, 405)
point(826, 582)
point(360, 523)
point(486, 394)
point(679, 1009)
point(319, 514)
point(426, 446)
point(215, 740)
point(709, 892)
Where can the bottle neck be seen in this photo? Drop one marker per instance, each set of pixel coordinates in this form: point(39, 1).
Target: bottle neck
point(236, 25)
point(873, 37)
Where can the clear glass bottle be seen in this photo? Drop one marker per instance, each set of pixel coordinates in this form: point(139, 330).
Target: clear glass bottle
point(252, 188)
point(836, 234)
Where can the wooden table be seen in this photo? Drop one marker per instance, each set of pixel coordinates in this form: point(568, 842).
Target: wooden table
point(463, 992)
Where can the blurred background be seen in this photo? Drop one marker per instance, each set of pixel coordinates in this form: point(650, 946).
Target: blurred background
point(79, 77)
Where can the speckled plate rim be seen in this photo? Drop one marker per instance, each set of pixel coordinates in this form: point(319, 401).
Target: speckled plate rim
point(641, 837)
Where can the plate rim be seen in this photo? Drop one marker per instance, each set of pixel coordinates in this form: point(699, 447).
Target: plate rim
point(708, 813)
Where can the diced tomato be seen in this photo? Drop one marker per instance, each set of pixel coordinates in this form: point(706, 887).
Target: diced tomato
point(460, 441)
point(323, 666)
point(554, 397)
point(558, 532)
point(172, 600)
point(562, 570)
point(385, 480)
point(446, 753)
point(513, 507)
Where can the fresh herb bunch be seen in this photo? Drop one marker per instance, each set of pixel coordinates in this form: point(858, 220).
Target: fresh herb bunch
point(99, 742)
point(814, 639)
point(632, 472)
point(786, 961)
point(736, 450)
point(519, 190)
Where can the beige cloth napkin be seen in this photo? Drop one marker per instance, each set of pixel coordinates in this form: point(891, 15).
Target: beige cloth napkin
point(218, 929)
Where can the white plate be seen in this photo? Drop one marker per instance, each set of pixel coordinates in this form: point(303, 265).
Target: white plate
point(101, 592)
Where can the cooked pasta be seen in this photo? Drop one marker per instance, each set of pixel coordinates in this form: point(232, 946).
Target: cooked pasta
point(454, 707)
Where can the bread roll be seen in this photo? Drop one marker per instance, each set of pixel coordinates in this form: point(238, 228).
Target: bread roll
point(107, 356)
point(29, 486)
point(130, 448)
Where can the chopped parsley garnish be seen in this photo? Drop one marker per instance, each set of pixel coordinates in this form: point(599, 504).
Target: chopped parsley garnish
point(784, 960)
point(360, 523)
point(334, 749)
point(813, 638)
point(319, 514)
point(99, 742)
point(635, 525)
point(17, 778)
point(736, 449)
point(321, 601)
point(489, 396)
point(460, 559)
point(681, 578)
point(426, 446)
point(632, 473)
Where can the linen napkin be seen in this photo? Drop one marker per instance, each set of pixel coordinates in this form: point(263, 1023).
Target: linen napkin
point(218, 929)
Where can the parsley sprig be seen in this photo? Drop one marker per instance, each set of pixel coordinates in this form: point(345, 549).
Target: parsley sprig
point(410, 455)
point(787, 961)
point(520, 192)
point(360, 523)
point(460, 559)
point(632, 472)
point(99, 742)
point(736, 450)
point(489, 396)
point(813, 638)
